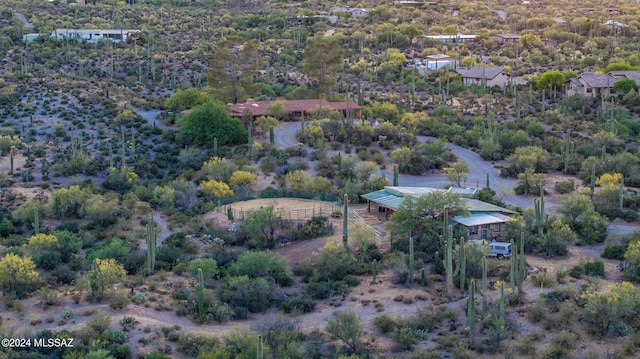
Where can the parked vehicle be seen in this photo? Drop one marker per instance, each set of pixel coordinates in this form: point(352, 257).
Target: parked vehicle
point(500, 249)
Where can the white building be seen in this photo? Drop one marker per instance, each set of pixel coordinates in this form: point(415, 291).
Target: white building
point(116, 35)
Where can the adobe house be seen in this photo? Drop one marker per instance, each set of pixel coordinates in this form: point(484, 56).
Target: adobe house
point(296, 109)
point(439, 61)
point(484, 222)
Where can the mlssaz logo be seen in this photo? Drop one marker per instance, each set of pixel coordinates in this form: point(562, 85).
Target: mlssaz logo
point(53, 342)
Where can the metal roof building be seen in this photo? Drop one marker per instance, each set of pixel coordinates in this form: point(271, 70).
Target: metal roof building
point(485, 220)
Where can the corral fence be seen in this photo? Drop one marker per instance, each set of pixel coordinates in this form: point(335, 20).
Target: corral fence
point(292, 214)
point(378, 236)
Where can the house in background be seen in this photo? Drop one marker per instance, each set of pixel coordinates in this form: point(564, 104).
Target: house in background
point(452, 39)
point(505, 38)
point(485, 75)
point(596, 85)
point(439, 61)
point(353, 11)
point(296, 109)
point(115, 35)
point(484, 222)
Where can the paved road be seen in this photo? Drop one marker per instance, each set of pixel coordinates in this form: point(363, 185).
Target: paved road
point(478, 169)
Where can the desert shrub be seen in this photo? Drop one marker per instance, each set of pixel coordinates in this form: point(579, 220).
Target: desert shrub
point(262, 264)
point(115, 336)
point(68, 314)
point(245, 294)
point(576, 271)
point(298, 304)
point(100, 322)
point(614, 251)
point(314, 227)
point(384, 323)
point(208, 266)
point(128, 323)
point(564, 187)
point(543, 279)
point(118, 300)
point(594, 268)
point(537, 310)
point(404, 338)
point(121, 352)
point(427, 318)
point(191, 345)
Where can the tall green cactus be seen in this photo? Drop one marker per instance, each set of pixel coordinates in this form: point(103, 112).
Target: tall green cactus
point(345, 223)
point(374, 270)
point(12, 152)
point(522, 270)
point(462, 264)
point(487, 184)
point(423, 277)
point(395, 176)
point(339, 162)
point(215, 146)
point(260, 349)
point(151, 245)
point(621, 194)
point(448, 260)
point(501, 310)
point(513, 267)
point(484, 274)
point(592, 184)
point(272, 136)
point(471, 312)
point(411, 260)
point(567, 151)
point(538, 205)
point(200, 291)
point(36, 220)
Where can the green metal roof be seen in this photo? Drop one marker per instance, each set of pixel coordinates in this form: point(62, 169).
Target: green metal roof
point(392, 197)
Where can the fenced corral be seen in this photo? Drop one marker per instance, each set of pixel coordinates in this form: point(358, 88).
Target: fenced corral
point(294, 208)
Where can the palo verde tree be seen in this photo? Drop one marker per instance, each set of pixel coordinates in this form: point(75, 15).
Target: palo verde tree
point(18, 276)
point(232, 67)
point(322, 59)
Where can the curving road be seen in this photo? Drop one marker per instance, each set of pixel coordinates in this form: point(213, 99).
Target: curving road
point(285, 136)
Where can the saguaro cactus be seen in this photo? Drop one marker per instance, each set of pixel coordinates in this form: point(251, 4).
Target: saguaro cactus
point(513, 267)
point(411, 260)
point(461, 266)
point(567, 151)
point(374, 270)
point(260, 349)
point(471, 312)
point(538, 205)
point(272, 137)
point(501, 312)
point(200, 291)
point(36, 220)
point(151, 245)
point(522, 270)
point(339, 162)
point(484, 274)
point(395, 175)
point(215, 146)
point(448, 261)
point(345, 223)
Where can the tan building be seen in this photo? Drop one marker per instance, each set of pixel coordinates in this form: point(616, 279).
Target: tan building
point(596, 85)
point(485, 75)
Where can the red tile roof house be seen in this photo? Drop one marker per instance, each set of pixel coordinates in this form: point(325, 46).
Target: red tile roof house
point(295, 108)
point(493, 75)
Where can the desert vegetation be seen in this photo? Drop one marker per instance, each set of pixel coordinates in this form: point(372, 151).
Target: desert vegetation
point(141, 218)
